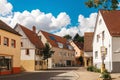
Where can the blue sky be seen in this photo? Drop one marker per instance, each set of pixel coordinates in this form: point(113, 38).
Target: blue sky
point(72, 7)
point(60, 17)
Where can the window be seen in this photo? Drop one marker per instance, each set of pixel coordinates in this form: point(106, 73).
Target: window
point(52, 37)
point(27, 52)
point(5, 63)
point(98, 36)
point(96, 54)
point(13, 43)
point(70, 47)
point(103, 35)
point(60, 45)
point(21, 44)
point(100, 21)
point(6, 41)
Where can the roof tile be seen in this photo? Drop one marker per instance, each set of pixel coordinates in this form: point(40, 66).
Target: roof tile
point(33, 37)
point(112, 21)
point(5, 27)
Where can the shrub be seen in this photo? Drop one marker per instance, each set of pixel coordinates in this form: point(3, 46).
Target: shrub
point(90, 68)
point(93, 69)
point(105, 75)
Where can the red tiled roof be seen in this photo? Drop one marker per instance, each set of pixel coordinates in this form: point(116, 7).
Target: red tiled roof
point(112, 21)
point(5, 27)
point(88, 39)
point(80, 45)
point(55, 39)
point(33, 37)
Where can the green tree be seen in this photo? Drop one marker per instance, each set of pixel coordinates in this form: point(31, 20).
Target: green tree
point(67, 36)
point(78, 38)
point(81, 60)
point(104, 4)
point(47, 52)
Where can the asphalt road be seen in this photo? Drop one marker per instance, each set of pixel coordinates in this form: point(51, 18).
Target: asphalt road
point(39, 75)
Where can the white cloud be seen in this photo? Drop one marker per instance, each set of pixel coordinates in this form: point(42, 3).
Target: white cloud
point(62, 20)
point(5, 7)
point(39, 19)
point(71, 31)
point(87, 24)
point(46, 21)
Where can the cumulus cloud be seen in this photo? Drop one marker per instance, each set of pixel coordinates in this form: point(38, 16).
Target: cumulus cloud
point(71, 31)
point(39, 19)
point(84, 25)
point(5, 7)
point(46, 21)
point(87, 24)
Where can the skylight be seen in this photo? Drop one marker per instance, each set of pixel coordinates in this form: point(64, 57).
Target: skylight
point(52, 37)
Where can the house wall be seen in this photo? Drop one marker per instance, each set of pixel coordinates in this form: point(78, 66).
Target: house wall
point(10, 51)
point(100, 27)
point(61, 56)
point(116, 54)
point(78, 52)
point(27, 61)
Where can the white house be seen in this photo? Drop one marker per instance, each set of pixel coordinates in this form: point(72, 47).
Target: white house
point(107, 34)
point(31, 47)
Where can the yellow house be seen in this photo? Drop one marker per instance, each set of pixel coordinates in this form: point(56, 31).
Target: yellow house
point(9, 50)
point(78, 47)
point(63, 55)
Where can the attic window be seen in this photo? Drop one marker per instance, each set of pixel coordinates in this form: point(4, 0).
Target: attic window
point(51, 37)
point(60, 45)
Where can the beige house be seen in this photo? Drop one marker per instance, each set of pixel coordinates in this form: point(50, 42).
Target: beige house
point(88, 49)
point(64, 54)
point(31, 47)
point(9, 50)
point(78, 47)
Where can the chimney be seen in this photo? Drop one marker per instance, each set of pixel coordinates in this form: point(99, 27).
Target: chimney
point(34, 29)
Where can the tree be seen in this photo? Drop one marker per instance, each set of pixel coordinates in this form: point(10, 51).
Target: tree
point(47, 52)
point(67, 36)
point(78, 38)
point(105, 4)
point(81, 60)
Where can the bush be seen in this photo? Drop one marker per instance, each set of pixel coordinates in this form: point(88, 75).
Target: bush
point(105, 75)
point(93, 69)
point(90, 68)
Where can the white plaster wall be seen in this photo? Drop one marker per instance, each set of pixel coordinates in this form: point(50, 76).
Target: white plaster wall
point(31, 55)
point(116, 49)
point(88, 54)
point(107, 43)
point(24, 39)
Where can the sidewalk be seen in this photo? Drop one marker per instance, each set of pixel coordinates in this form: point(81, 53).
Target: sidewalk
point(85, 75)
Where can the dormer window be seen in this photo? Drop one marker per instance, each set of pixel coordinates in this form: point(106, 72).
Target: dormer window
point(60, 45)
point(70, 47)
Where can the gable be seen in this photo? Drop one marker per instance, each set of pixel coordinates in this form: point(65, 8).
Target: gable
point(100, 26)
point(112, 21)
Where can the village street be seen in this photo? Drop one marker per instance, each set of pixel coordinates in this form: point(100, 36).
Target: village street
point(67, 73)
point(64, 73)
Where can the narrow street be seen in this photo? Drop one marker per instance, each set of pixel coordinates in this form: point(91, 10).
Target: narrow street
point(54, 74)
